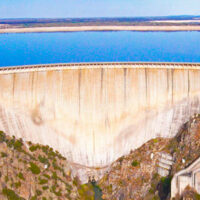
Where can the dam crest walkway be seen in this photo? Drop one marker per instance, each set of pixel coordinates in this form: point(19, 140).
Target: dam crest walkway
point(111, 65)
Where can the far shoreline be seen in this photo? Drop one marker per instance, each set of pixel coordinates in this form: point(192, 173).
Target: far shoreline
point(100, 28)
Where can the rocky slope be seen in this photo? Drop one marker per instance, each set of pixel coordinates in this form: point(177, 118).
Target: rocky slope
point(135, 176)
point(33, 171)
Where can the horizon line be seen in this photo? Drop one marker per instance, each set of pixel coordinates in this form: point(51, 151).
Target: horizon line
point(107, 17)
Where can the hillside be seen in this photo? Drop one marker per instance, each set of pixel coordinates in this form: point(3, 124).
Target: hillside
point(33, 171)
point(135, 176)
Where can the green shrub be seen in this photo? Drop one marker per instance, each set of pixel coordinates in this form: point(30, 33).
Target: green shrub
point(155, 197)
point(38, 192)
point(45, 187)
point(21, 176)
point(34, 198)
point(18, 144)
point(155, 140)
point(57, 193)
point(10, 143)
point(173, 146)
point(18, 184)
point(135, 163)
point(45, 149)
point(54, 175)
point(121, 159)
point(3, 154)
point(86, 191)
point(155, 176)
point(55, 166)
point(197, 196)
point(151, 191)
point(43, 159)
point(166, 181)
point(165, 186)
point(33, 148)
point(109, 188)
point(10, 194)
point(43, 181)
point(24, 161)
point(2, 136)
point(34, 168)
point(68, 187)
point(46, 176)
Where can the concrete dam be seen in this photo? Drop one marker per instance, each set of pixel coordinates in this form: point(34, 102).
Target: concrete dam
point(94, 113)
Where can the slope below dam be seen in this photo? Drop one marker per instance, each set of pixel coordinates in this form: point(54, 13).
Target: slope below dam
point(94, 113)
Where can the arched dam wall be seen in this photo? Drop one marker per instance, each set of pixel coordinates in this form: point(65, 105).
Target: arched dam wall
point(95, 112)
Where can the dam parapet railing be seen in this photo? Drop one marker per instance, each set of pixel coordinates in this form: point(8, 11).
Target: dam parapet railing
point(111, 65)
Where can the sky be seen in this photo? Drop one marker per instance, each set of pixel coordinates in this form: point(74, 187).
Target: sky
point(96, 8)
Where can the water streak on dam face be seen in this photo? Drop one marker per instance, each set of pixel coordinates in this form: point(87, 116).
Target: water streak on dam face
point(94, 114)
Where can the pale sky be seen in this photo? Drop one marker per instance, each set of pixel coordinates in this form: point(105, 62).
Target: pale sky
point(96, 8)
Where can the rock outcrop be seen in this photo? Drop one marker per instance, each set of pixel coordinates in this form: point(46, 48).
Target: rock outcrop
point(135, 176)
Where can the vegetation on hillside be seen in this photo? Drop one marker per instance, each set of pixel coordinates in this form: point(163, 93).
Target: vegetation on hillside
point(135, 176)
point(34, 171)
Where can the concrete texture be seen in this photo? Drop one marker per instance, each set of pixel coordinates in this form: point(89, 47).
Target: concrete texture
point(94, 113)
point(164, 164)
point(187, 177)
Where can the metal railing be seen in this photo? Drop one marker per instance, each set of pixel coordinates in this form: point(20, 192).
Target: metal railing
point(61, 66)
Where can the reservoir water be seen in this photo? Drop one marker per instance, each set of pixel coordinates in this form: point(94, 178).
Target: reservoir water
point(42, 48)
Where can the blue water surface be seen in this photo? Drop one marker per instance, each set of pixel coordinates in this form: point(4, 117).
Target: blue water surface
point(41, 48)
